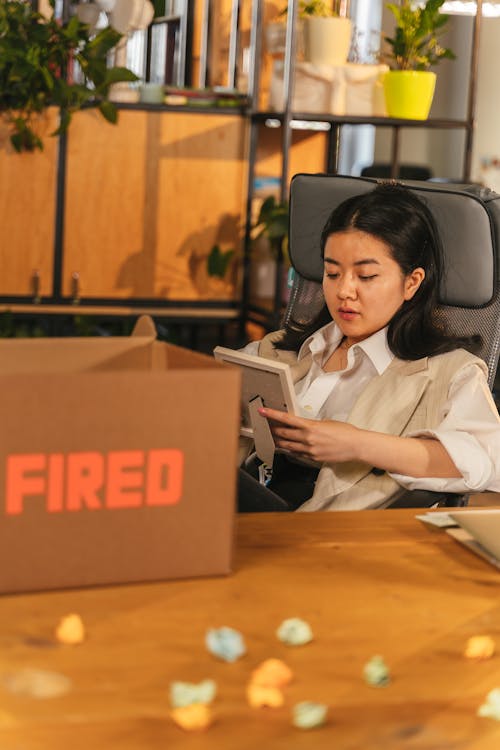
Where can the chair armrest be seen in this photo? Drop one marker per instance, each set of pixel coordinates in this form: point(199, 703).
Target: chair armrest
point(428, 499)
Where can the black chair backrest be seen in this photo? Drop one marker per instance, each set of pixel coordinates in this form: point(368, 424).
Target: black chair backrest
point(405, 171)
point(468, 219)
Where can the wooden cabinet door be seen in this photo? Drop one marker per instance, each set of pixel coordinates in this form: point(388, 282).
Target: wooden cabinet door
point(27, 213)
point(147, 199)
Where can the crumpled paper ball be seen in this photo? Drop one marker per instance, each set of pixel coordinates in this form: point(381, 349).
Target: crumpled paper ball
point(491, 707)
point(186, 693)
point(376, 672)
point(261, 696)
point(70, 630)
point(272, 673)
point(225, 643)
point(194, 717)
point(36, 683)
point(479, 647)
point(294, 632)
point(308, 715)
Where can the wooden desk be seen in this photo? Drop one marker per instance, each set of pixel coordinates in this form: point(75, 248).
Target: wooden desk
point(368, 582)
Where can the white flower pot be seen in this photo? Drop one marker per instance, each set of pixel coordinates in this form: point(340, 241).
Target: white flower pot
point(327, 40)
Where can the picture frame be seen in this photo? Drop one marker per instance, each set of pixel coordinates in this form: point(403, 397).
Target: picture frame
point(268, 379)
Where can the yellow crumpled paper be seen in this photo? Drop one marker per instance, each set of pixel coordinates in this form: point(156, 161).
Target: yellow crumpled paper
point(479, 647)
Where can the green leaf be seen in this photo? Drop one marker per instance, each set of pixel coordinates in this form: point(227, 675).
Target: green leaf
point(26, 139)
point(73, 28)
point(102, 43)
point(47, 76)
point(273, 218)
point(218, 261)
point(64, 121)
point(117, 75)
point(109, 111)
point(17, 141)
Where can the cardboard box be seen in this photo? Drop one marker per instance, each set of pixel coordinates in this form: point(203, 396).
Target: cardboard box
point(117, 459)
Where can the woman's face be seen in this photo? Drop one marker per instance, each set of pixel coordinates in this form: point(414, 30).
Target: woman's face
point(363, 285)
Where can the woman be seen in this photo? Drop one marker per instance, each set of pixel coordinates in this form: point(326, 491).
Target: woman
point(390, 400)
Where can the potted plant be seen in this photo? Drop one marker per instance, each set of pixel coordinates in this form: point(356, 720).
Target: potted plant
point(414, 48)
point(37, 57)
point(323, 30)
point(327, 32)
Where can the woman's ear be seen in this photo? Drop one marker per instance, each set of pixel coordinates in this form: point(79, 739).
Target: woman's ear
point(412, 282)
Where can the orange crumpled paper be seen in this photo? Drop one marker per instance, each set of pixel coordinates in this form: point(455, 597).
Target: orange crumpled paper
point(260, 696)
point(194, 717)
point(272, 673)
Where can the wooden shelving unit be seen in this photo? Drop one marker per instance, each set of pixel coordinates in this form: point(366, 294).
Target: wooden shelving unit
point(55, 257)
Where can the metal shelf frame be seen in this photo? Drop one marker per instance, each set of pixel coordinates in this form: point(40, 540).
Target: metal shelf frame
point(287, 117)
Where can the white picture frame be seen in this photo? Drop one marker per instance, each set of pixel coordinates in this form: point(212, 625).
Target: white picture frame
point(269, 379)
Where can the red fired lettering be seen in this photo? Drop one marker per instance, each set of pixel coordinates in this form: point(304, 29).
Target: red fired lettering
point(125, 479)
point(91, 480)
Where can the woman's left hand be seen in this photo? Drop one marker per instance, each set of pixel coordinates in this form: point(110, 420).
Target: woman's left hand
point(322, 441)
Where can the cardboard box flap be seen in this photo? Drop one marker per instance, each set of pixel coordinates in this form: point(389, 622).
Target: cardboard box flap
point(145, 327)
point(74, 354)
point(179, 359)
point(79, 354)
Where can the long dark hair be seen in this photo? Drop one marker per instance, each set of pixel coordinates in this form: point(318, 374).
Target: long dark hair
point(395, 215)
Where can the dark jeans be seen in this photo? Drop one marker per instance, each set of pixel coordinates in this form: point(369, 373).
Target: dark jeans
point(291, 485)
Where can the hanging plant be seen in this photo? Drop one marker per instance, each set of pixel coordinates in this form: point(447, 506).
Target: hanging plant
point(36, 55)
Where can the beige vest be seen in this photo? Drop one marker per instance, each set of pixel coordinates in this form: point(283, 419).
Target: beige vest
point(408, 396)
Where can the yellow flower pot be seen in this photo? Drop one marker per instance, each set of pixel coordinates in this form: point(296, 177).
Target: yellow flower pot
point(408, 93)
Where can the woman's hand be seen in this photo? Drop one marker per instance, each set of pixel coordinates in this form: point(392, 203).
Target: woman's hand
point(327, 441)
point(323, 441)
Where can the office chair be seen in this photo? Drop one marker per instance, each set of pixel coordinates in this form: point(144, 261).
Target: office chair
point(468, 219)
point(405, 171)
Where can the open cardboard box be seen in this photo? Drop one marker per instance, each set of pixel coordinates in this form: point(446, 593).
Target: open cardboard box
point(117, 460)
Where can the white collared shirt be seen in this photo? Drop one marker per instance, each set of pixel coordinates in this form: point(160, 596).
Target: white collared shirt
point(331, 395)
point(469, 428)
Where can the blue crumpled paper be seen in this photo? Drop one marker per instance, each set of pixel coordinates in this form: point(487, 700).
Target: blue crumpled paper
point(225, 643)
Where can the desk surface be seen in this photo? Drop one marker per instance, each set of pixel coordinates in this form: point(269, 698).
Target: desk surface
point(372, 582)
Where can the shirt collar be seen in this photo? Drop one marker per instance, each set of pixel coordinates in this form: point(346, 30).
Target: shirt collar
point(327, 338)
